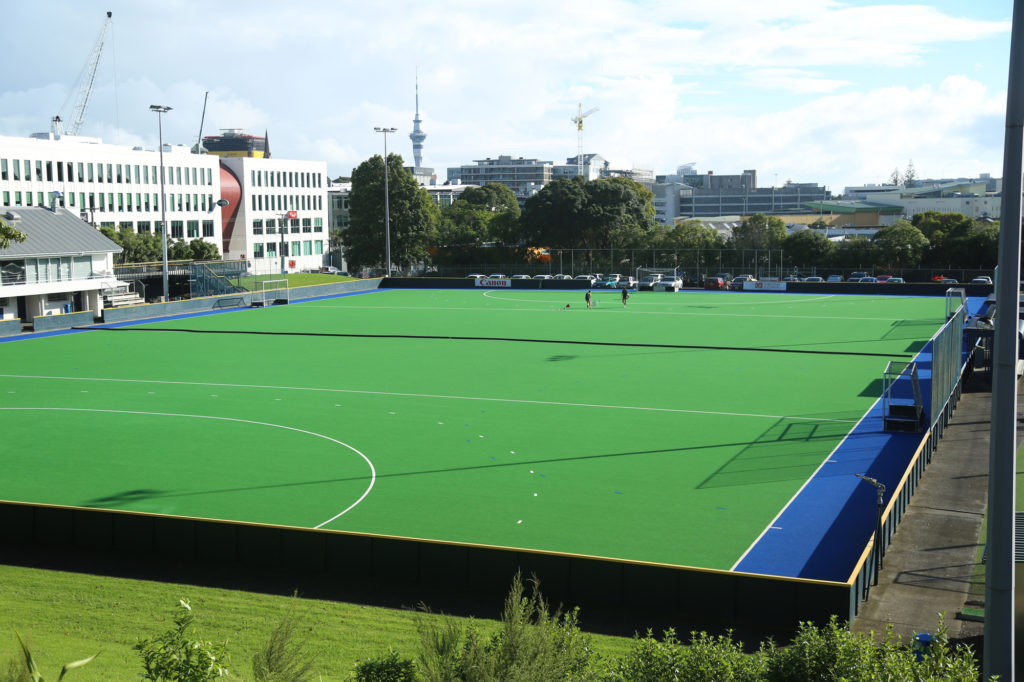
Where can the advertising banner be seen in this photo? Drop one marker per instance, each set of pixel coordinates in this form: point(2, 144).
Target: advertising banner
point(764, 286)
point(501, 282)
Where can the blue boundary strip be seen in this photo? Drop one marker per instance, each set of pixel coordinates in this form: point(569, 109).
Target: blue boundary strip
point(166, 318)
point(822, 533)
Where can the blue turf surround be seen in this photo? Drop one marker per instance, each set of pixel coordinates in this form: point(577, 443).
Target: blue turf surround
point(165, 318)
point(823, 531)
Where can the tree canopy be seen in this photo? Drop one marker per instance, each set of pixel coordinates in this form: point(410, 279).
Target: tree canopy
point(900, 245)
point(8, 234)
point(759, 232)
point(414, 216)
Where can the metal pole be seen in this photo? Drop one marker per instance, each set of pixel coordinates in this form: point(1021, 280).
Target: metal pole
point(999, 569)
point(160, 111)
point(387, 207)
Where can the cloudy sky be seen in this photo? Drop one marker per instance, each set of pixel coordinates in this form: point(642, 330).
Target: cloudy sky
point(840, 93)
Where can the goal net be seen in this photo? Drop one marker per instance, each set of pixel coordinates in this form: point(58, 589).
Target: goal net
point(655, 273)
point(270, 292)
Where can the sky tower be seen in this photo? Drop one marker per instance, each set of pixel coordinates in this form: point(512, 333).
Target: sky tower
point(417, 136)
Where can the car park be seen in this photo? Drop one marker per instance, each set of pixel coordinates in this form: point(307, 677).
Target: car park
point(714, 282)
point(981, 279)
point(791, 278)
point(834, 278)
point(813, 278)
point(521, 277)
point(883, 278)
point(542, 277)
point(670, 283)
point(562, 276)
point(869, 280)
point(589, 278)
point(626, 282)
point(895, 280)
point(949, 280)
point(474, 276)
point(648, 282)
point(608, 281)
point(725, 276)
point(855, 276)
point(493, 275)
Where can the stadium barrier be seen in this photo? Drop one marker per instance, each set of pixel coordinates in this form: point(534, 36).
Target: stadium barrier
point(47, 323)
point(949, 366)
point(10, 326)
point(638, 595)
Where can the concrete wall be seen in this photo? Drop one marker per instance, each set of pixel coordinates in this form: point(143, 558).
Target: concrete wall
point(46, 323)
point(10, 326)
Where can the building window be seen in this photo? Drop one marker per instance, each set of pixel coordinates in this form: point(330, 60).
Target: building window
point(296, 248)
point(17, 169)
point(284, 249)
point(318, 224)
point(257, 250)
point(193, 229)
point(271, 249)
point(318, 248)
point(110, 173)
point(60, 172)
point(39, 171)
point(158, 227)
point(7, 198)
point(17, 198)
point(207, 228)
point(307, 248)
point(120, 178)
point(177, 229)
point(49, 171)
point(144, 226)
point(257, 226)
point(3, 169)
point(307, 225)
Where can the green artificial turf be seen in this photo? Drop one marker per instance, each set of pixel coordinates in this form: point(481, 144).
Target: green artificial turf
point(679, 454)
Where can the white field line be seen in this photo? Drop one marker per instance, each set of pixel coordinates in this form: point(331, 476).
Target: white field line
point(429, 396)
point(636, 312)
point(373, 471)
point(825, 461)
point(678, 301)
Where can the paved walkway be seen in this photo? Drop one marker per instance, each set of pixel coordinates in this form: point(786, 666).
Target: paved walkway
point(930, 564)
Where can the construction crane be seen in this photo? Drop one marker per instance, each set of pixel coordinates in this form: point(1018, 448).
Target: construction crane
point(578, 120)
point(85, 88)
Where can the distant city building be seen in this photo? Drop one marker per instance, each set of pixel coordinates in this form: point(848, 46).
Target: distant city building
point(680, 197)
point(970, 198)
point(525, 177)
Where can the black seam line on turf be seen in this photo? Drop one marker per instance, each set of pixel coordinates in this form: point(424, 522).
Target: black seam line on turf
point(499, 338)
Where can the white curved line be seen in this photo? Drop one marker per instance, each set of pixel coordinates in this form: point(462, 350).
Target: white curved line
point(373, 471)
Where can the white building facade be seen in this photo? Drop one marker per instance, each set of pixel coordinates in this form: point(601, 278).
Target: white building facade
point(277, 213)
point(113, 185)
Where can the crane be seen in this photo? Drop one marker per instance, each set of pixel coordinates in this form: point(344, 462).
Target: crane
point(85, 88)
point(578, 120)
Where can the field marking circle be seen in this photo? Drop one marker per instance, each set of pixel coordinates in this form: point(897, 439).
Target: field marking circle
point(373, 471)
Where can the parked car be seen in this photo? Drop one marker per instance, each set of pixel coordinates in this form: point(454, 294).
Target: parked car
point(648, 282)
point(949, 280)
point(608, 281)
point(855, 276)
point(883, 278)
point(476, 276)
point(589, 278)
point(627, 282)
point(561, 276)
point(495, 275)
point(813, 278)
point(834, 278)
point(868, 280)
point(894, 280)
point(725, 276)
point(329, 270)
point(791, 278)
point(737, 282)
point(982, 279)
point(542, 277)
point(671, 283)
point(714, 282)
point(521, 277)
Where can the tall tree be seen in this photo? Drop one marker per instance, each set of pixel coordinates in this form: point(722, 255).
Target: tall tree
point(899, 245)
point(688, 235)
point(8, 234)
point(759, 232)
point(910, 176)
point(135, 247)
point(808, 248)
point(414, 215)
point(555, 217)
point(895, 179)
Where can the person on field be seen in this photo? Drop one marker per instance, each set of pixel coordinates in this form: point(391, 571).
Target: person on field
point(590, 300)
point(625, 296)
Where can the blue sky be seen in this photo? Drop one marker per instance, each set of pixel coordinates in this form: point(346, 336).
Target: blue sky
point(840, 93)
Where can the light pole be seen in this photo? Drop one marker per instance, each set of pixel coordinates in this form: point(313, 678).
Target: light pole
point(160, 110)
point(880, 487)
point(387, 207)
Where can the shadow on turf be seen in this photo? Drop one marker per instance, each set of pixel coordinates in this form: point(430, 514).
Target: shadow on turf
point(135, 495)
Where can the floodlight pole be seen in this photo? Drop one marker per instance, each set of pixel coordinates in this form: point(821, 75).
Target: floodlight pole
point(387, 207)
point(160, 110)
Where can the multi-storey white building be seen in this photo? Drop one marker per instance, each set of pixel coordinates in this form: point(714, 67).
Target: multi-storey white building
point(276, 217)
point(113, 185)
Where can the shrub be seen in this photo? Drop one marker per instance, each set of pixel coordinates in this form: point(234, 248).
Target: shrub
point(389, 667)
point(174, 655)
point(285, 657)
point(32, 670)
